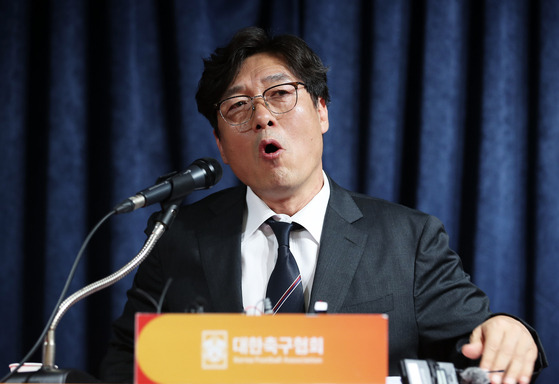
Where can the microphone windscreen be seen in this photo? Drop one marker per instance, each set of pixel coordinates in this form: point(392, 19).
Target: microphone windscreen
point(474, 375)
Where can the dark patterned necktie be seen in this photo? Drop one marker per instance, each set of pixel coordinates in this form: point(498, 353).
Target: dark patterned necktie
point(285, 289)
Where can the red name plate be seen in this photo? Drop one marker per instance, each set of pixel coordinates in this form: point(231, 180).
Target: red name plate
point(286, 348)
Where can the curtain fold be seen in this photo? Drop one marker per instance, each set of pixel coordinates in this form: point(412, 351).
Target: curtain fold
point(446, 106)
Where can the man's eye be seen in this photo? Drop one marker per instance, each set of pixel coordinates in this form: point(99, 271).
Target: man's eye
point(278, 93)
point(236, 105)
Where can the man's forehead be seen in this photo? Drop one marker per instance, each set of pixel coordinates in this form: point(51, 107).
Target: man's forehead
point(268, 80)
point(267, 69)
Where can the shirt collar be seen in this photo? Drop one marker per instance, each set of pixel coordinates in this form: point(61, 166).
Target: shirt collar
point(311, 216)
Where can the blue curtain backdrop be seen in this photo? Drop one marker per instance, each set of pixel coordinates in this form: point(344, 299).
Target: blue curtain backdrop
point(447, 106)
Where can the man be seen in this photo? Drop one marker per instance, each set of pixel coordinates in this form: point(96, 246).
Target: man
point(266, 99)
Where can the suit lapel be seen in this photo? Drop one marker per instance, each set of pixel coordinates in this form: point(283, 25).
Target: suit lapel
point(220, 251)
point(341, 248)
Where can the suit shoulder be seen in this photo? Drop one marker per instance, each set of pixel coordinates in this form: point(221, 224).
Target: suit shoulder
point(378, 208)
point(363, 200)
point(219, 200)
point(197, 213)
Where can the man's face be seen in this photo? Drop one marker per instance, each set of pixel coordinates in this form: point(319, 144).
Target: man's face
point(278, 155)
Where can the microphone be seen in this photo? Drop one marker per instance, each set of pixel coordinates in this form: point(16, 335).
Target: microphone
point(201, 174)
point(474, 375)
point(432, 372)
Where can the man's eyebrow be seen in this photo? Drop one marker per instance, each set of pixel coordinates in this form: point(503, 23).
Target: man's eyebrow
point(236, 89)
point(276, 77)
point(271, 79)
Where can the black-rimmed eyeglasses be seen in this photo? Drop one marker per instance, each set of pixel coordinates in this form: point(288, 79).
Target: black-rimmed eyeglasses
point(281, 98)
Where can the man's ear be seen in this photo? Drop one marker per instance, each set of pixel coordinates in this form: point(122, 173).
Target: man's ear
point(322, 110)
point(220, 147)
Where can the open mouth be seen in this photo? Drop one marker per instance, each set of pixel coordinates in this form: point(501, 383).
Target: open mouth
point(270, 148)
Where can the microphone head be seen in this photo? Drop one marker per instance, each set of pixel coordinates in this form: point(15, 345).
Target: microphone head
point(213, 170)
point(474, 375)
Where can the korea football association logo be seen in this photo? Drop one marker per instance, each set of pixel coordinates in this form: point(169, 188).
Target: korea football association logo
point(214, 349)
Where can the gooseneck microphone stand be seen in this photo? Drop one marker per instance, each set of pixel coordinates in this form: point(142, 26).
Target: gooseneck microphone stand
point(49, 373)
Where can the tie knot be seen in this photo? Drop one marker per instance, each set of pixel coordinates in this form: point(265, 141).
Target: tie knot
point(281, 230)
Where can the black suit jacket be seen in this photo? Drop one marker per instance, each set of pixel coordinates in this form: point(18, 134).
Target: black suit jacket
point(375, 257)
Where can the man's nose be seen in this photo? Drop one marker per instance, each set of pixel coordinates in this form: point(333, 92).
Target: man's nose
point(260, 104)
point(262, 115)
point(259, 100)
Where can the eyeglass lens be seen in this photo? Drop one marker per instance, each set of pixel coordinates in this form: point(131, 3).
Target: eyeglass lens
point(278, 99)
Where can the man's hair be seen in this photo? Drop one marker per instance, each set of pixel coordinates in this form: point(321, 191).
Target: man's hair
point(221, 68)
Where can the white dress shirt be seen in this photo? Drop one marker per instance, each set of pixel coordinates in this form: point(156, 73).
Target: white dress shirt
point(259, 246)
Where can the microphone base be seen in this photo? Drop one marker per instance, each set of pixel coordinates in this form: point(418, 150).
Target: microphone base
point(52, 376)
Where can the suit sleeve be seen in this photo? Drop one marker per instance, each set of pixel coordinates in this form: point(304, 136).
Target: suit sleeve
point(448, 305)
